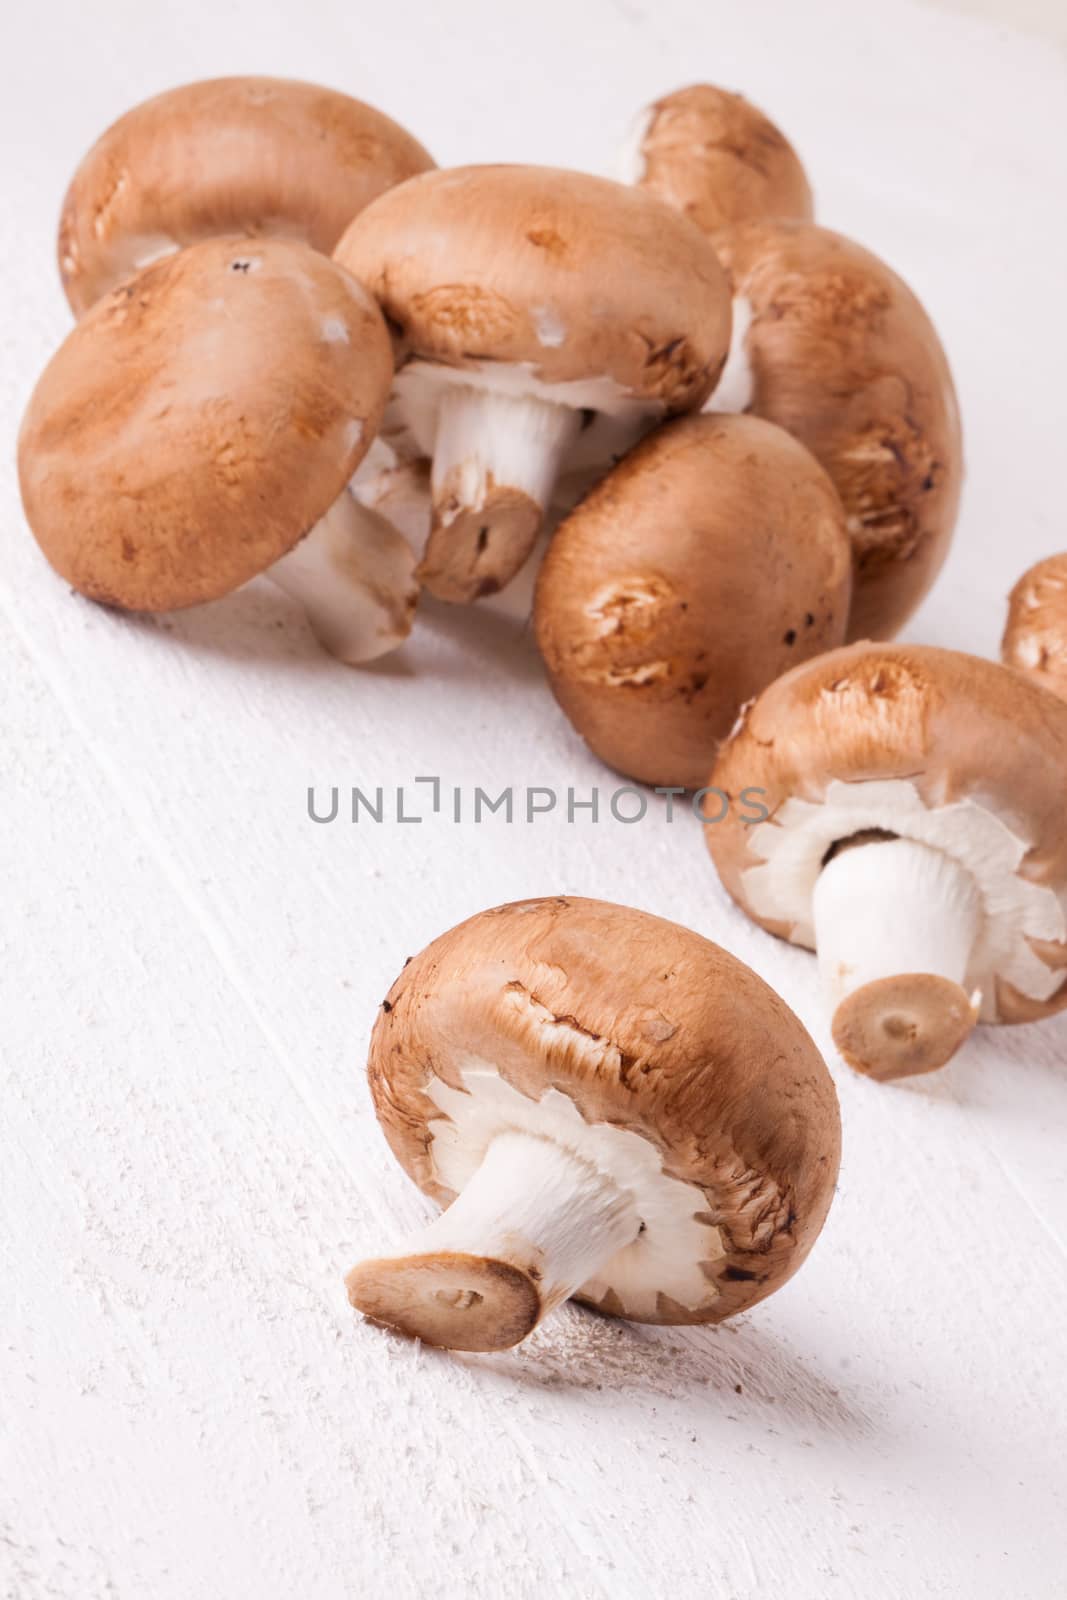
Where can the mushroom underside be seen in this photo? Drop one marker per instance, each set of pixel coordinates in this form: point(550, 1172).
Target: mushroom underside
point(548, 1206)
point(886, 888)
point(502, 443)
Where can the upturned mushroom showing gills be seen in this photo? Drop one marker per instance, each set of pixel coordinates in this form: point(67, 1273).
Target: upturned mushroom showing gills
point(916, 839)
point(715, 156)
point(256, 156)
point(611, 1108)
point(713, 557)
point(1035, 639)
point(539, 315)
point(199, 426)
point(830, 344)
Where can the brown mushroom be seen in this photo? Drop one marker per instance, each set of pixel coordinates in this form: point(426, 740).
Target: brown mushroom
point(830, 344)
point(610, 1107)
point(715, 156)
point(916, 838)
point(227, 156)
point(540, 315)
point(710, 560)
point(1035, 639)
point(199, 426)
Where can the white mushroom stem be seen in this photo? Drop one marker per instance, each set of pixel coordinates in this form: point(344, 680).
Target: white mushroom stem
point(631, 162)
point(496, 459)
point(533, 1224)
point(736, 388)
point(354, 574)
point(397, 487)
point(501, 440)
point(893, 906)
point(896, 924)
point(487, 440)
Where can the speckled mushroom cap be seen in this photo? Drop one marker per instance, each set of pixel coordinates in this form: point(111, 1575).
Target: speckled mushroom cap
point(842, 354)
point(228, 156)
point(574, 276)
point(878, 740)
point(715, 156)
point(645, 1026)
point(200, 420)
point(1035, 639)
point(710, 560)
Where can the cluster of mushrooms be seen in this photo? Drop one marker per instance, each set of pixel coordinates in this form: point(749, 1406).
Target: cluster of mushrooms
point(727, 439)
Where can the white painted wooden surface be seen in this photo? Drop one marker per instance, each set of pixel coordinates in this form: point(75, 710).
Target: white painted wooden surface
point(189, 967)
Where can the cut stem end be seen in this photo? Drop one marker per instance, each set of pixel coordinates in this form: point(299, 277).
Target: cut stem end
point(496, 459)
point(448, 1298)
point(903, 1025)
point(534, 1223)
point(895, 925)
point(474, 552)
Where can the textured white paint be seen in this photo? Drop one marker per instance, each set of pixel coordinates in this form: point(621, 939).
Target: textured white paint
point(189, 968)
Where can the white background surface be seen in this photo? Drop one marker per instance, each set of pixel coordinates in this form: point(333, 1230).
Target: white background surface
point(189, 968)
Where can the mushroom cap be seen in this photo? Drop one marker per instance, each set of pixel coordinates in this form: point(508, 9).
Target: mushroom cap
point(712, 558)
point(200, 420)
point(918, 742)
point(715, 156)
point(1035, 639)
point(643, 1025)
point(573, 276)
point(226, 156)
point(843, 355)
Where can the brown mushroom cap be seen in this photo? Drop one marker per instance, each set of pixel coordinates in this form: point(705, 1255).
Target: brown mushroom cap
point(228, 156)
point(715, 156)
point(843, 356)
point(1035, 639)
point(577, 277)
point(710, 560)
point(643, 1025)
point(954, 726)
point(200, 420)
